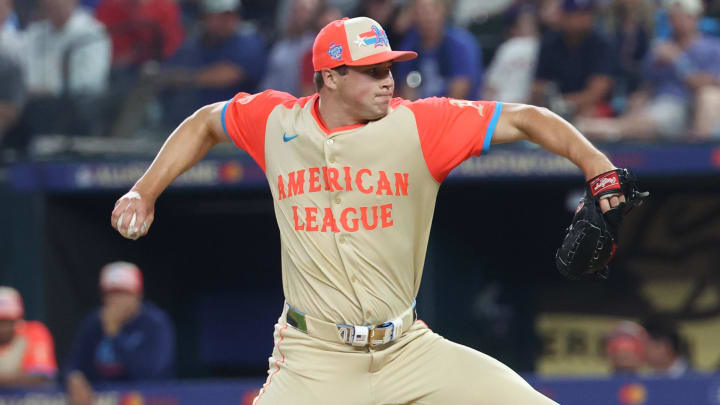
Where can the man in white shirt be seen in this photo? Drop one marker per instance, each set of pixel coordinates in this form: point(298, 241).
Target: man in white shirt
point(510, 75)
point(66, 65)
point(69, 51)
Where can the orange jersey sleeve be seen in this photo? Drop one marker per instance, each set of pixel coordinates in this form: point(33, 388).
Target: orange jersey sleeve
point(39, 357)
point(453, 130)
point(244, 119)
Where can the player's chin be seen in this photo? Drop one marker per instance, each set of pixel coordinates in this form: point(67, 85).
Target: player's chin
point(376, 113)
point(380, 108)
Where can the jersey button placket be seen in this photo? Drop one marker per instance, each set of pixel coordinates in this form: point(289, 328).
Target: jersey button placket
point(335, 201)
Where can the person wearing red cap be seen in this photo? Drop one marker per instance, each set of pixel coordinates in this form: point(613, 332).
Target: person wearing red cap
point(625, 347)
point(125, 340)
point(27, 351)
point(354, 174)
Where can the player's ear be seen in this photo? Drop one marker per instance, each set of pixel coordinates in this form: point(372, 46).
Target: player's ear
point(330, 78)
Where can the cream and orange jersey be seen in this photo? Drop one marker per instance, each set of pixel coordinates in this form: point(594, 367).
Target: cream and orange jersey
point(355, 204)
point(30, 352)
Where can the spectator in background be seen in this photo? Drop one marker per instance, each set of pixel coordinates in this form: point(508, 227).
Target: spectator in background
point(12, 93)
point(469, 11)
point(263, 13)
point(90, 4)
point(66, 62)
point(325, 16)
point(392, 15)
point(510, 75)
point(141, 30)
point(625, 348)
point(297, 38)
point(575, 65)
point(665, 350)
point(226, 57)
point(67, 52)
point(629, 24)
point(125, 340)
point(680, 73)
point(449, 61)
point(12, 88)
point(9, 35)
point(27, 352)
point(550, 15)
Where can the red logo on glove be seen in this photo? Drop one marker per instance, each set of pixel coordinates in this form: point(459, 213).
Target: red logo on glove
point(605, 182)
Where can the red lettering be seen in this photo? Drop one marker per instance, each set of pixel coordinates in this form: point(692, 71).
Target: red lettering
point(332, 174)
point(383, 185)
point(311, 219)
point(296, 217)
point(296, 185)
point(325, 178)
point(359, 181)
point(329, 221)
point(386, 215)
point(364, 217)
point(401, 183)
point(281, 188)
point(314, 179)
point(348, 178)
point(344, 220)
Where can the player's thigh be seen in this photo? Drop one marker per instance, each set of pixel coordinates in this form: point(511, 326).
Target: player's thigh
point(471, 377)
point(305, 371)
point(435, 371)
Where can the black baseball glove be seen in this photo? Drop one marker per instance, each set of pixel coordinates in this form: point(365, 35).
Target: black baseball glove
point(592, 236)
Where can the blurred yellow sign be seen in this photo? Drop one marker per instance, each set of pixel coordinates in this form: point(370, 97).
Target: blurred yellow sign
point(574, 344)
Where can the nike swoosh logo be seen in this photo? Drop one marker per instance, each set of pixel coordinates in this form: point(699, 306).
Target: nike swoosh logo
point(289, 138)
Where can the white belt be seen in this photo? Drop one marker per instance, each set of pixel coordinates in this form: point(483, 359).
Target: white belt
point(355, 335)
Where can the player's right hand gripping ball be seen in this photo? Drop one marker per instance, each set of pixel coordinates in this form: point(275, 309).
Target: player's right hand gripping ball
point(592, 237)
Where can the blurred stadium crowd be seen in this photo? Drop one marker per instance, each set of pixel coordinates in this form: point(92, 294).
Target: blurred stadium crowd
point(618, 69)
point(126, 339)
point(129, 339)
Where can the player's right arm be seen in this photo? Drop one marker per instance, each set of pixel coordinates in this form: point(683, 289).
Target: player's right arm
point(186, 146)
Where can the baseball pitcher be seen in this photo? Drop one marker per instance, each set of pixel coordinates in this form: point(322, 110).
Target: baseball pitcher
point(354, 174)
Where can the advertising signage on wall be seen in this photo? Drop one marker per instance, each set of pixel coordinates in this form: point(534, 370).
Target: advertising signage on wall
point(240, 171)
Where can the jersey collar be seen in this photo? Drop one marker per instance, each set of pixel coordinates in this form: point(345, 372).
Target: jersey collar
point(316, 115)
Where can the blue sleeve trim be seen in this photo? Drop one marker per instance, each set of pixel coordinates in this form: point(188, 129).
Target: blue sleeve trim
point(491, 127)
point(222, 119)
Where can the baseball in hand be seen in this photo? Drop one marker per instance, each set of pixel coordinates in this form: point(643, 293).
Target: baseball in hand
point(131, 231)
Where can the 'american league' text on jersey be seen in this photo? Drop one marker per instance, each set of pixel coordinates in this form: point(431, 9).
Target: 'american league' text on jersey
point(354, 204)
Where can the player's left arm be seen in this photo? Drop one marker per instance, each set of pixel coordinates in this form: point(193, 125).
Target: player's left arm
point(541, 126)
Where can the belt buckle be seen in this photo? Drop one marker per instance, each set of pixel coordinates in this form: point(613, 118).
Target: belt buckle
point(369, 335)
point(390, 332)
point(353, 335)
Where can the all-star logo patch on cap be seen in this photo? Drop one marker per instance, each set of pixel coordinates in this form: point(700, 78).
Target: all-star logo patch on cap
point(356, 41)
